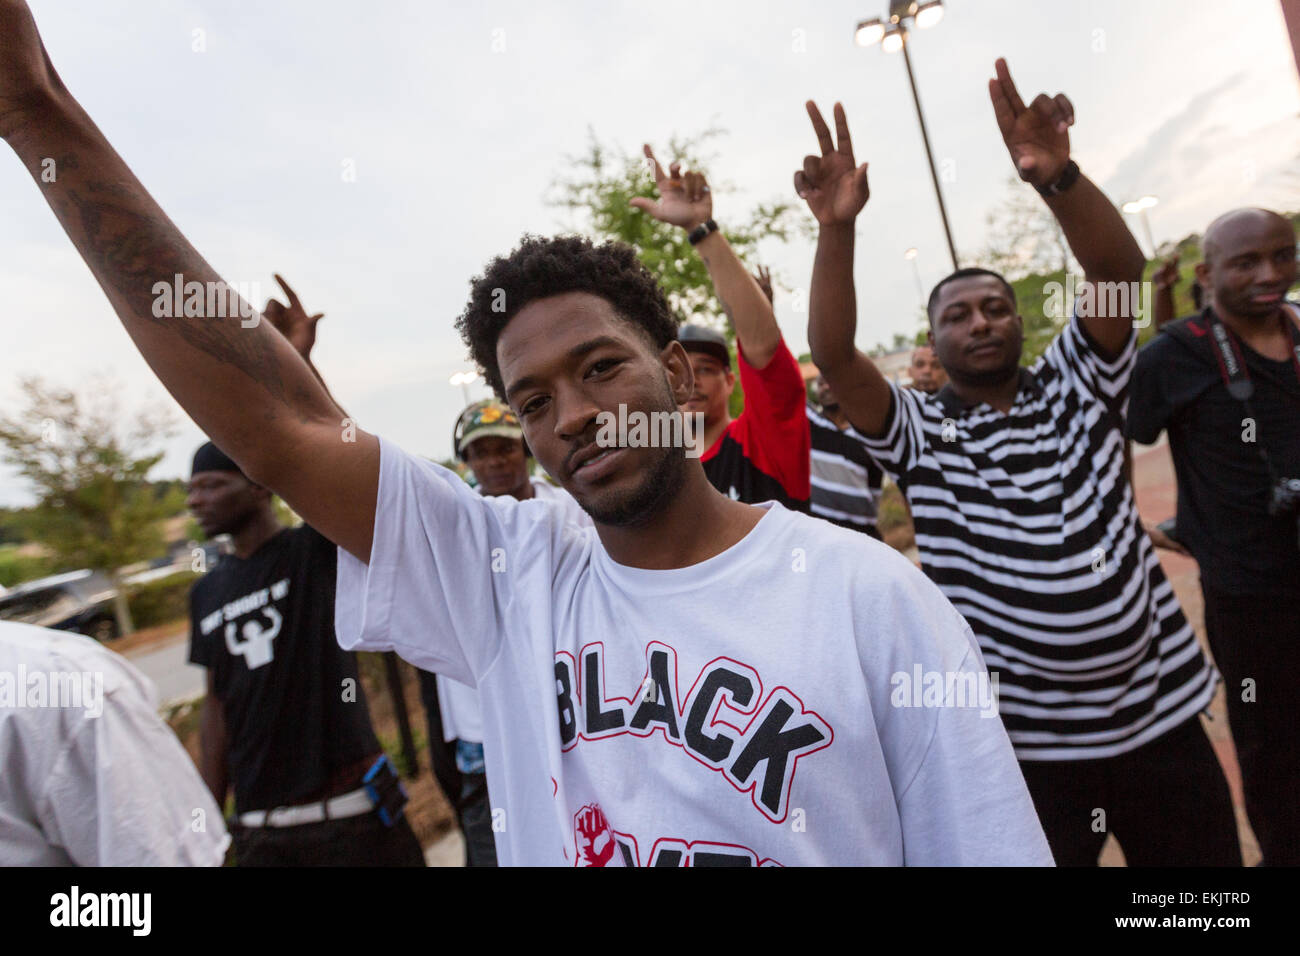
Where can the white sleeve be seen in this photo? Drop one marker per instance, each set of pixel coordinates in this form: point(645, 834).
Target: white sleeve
point(123, 792)
point(445, 566)
point(967, 804)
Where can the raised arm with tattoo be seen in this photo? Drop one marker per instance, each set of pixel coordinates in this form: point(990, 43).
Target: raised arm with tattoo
point(686, 201)
point(835, 188)
point(1038, 138)
point(245, 387)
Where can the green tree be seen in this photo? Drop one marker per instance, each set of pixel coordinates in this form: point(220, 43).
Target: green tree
point(1024, 237)
point(95, 507)
point(600, 186)
point(596, 194)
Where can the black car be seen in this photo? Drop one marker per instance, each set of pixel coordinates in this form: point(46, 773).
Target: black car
point(79, 601)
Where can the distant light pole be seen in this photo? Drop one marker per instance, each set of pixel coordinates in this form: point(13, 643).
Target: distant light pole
point(1140, 206)
point(911, 255)
point(463, 379)
point(891, 34)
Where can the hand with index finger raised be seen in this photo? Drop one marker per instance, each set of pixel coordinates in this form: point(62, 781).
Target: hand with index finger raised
point(292, 321)
point(832, 184)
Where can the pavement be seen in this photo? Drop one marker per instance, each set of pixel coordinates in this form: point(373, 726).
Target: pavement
point(166, 663)
point(447, 850)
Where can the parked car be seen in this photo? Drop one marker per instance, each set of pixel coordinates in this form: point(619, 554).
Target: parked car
point(80, 601)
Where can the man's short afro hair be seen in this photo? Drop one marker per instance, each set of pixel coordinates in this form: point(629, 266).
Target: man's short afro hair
point(968, 273)
point(542, 267)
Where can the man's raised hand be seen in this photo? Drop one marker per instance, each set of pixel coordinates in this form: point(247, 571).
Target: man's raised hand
point(684, 201)
point(834, 187)
point(764, 279)
point(27, 77)
point(292, 320)
point(1166, 275)
point(1037, 135)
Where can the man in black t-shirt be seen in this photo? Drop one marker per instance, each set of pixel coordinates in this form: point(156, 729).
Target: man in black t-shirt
point(1234, 429)
point(285, 721)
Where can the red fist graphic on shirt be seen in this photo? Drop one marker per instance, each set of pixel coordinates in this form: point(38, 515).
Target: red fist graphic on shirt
point(594, 838)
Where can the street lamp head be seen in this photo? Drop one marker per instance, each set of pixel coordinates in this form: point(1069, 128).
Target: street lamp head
point(1137, 205)
point(928, 14)
point(869, 32)
point(893, 41)
point(910, 253)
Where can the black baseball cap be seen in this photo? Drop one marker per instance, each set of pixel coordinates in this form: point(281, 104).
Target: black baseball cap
point(698, 338)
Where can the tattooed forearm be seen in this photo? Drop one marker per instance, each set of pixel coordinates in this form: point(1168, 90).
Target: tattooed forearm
point(232, 372)
point(133, 253)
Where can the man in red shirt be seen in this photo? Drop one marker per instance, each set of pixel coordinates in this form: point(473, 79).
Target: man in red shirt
point(762, 454)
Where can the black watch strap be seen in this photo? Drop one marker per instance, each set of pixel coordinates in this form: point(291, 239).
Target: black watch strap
point(1068, 178)
point(702, 232)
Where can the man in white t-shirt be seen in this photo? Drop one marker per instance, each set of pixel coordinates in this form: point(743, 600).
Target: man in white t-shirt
point(92, 776)
point(695, 680)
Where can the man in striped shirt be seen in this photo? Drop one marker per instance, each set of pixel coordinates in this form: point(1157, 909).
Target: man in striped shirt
point(845, 480)
point(1024, 516)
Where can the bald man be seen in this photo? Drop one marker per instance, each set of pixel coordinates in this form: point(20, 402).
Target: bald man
point(1225, 384)
point(927, 374)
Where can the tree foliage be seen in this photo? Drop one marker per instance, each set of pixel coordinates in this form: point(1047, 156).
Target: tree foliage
point(88, 467)
point(1024, 237)
point(604, 179)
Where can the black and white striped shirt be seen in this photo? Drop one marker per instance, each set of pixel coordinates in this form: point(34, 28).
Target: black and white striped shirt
point(845, 480)
point(1028, 525)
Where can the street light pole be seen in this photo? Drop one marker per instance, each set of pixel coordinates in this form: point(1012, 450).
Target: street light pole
point(892, 34)
point(1140, 207)
point(1146, 225)
point(911, 255)
point(929, 155)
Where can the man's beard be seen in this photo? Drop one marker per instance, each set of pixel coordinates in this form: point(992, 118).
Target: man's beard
point(996, 376)
point(660, 484)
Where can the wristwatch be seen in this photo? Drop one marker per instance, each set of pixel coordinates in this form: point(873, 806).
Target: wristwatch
point(702, 232)
point(1069, 176)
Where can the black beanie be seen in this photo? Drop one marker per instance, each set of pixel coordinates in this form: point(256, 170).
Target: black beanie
point(211, 458)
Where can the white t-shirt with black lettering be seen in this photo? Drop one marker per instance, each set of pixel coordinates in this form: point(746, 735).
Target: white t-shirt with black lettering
point(774, 704)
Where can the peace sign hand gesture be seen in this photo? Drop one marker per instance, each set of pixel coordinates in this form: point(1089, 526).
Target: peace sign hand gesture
point(834, 187)
point(1037, 136)
point(684, 201)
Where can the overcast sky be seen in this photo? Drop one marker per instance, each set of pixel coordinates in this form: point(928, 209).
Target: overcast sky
point(455, 119)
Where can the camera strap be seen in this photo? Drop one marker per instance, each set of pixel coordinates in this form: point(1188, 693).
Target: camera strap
point(1232, 367)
